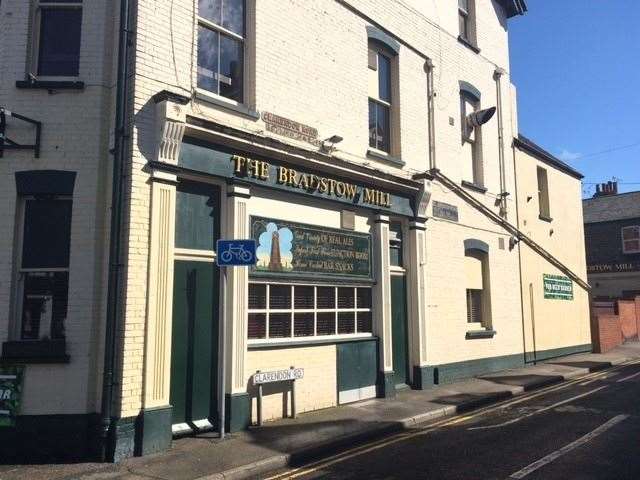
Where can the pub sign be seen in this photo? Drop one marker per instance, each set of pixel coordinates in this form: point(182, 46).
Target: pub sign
point(295, 249)
point(557, 287)
point(10, 393)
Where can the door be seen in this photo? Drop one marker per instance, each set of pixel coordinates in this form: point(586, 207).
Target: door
point(399, 329)
point(357, 370)
point(194, 346)
point(194, 340)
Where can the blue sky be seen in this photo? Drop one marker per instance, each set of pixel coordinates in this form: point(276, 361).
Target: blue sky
point(576, 65)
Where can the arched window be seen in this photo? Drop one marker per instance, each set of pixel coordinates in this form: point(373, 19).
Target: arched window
point(477, 284)
point(471, 136)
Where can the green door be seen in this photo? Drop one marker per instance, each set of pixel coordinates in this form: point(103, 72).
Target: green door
point(357, 370)
point(399, 329)
point(194, 340)
point(194, 345)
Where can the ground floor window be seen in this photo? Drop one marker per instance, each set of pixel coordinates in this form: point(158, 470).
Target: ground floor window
point(285, 311)
point(43, 273)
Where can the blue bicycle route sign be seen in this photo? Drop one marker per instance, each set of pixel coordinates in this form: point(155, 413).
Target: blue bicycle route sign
point(236, 253)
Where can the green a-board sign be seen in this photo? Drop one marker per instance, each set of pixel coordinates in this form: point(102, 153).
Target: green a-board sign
point(557, 287)
point(296, 249)
point(10, 393)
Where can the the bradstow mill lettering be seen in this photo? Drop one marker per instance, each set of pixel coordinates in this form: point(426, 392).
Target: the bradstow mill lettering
point(260, 170)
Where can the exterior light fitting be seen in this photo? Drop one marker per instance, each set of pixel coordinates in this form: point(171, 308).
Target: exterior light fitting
point(480, 117)
point(328, 145)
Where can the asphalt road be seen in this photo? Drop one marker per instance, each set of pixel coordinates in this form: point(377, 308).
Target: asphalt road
point(584, 429)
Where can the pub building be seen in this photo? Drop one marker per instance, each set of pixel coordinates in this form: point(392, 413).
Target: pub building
point(406, 234)
point(333, 255)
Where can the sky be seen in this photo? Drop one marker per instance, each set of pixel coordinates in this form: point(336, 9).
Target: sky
point(576, 67)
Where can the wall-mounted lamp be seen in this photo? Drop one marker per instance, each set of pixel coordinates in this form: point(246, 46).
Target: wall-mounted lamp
point(513, 241)
point(476, 119)
point(328, 145)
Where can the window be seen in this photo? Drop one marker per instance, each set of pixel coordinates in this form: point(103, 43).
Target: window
point(43, 270)
point(543, 194)
point(466, 21)
point(57, 46)
point(395, 244)
point(379, 99)
point(296, 312)
point(471, 137)
point(221, 38)
point(631, 239)
point(478, 291)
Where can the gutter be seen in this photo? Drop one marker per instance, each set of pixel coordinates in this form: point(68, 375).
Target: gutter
point(115, 237)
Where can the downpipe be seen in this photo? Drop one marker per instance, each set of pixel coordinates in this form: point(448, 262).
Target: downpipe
point(115, 238)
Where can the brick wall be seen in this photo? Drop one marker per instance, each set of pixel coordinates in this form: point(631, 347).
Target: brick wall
point(628, 320)
point(606, 333)
point(611, 328)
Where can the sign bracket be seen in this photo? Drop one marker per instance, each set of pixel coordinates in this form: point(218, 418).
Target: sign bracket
point(8, 144)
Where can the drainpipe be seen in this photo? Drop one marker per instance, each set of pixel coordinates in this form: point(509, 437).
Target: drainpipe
point(115, 247)
point(499, 72)
point(428, 66)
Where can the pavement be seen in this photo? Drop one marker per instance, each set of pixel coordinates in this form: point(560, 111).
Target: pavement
point(316, 435)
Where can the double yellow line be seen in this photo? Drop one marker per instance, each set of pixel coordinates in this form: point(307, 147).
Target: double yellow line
point(369, 447)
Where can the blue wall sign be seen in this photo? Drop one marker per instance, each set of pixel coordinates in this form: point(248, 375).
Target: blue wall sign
point(235, 253)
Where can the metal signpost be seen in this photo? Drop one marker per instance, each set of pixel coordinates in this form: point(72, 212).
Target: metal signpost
point(229, 253)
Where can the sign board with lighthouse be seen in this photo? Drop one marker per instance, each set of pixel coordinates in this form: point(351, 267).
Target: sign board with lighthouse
point(300, 250)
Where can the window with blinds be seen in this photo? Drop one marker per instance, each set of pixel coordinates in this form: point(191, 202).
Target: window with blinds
point(281, 311)
point(474, 306)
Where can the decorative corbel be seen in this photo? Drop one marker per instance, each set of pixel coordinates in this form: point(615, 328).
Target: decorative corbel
point(169, 129)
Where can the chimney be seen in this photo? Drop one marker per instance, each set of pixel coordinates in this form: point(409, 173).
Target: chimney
point(606, 189)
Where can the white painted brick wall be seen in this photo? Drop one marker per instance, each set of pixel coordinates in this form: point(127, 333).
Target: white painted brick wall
point(74, 137)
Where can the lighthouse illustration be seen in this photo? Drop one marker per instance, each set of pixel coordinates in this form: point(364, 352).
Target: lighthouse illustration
point(275, 261)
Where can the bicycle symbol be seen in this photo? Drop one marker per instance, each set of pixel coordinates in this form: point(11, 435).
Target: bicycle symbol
point(237, 252)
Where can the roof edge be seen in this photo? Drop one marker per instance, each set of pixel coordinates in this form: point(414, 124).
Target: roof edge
point(513, 7)
point(523, 143)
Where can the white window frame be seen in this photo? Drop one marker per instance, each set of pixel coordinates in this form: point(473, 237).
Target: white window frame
point(208, 24)
point(20, 272)
point(35, 44)
point(292, 311)
point(626, 250)
point(474, 140)
point(379, 50)
point(467, 18)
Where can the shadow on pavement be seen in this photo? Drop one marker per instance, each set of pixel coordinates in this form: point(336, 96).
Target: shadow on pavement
point(528, 382)
point(468, 401)
point(591, 366)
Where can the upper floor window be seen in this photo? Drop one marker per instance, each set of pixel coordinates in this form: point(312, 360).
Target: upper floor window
point(56, 44)
point(466, 21)
point(543, 194)
point(221, 39)
point(631, 239)
point(380, 99)
point(43, 266)
point(471, 135)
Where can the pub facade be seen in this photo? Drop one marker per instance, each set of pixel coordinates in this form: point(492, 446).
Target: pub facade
point(366, 149)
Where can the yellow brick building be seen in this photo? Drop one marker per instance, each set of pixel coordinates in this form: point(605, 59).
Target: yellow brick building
point(365, 145)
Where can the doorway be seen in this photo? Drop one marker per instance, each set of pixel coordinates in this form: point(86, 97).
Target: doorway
point(194, 340)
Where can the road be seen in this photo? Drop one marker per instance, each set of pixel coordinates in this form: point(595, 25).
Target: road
point(588, 428)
